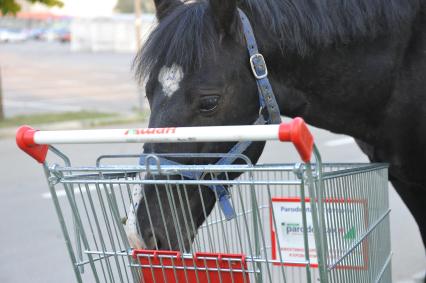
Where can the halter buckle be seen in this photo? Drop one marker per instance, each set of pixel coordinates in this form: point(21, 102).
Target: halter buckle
point(258, 66)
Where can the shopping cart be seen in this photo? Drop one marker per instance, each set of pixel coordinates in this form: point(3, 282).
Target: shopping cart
point(303, 222)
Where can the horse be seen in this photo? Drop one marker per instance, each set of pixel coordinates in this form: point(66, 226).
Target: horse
point(355, 67)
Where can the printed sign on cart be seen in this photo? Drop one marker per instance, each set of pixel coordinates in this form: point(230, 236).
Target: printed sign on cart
point(345, 222)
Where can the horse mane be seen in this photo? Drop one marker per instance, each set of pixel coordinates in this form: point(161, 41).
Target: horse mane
point(187, 33)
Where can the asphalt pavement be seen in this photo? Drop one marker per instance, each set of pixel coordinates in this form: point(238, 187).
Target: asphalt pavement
point(41, 77)
point(46, 77)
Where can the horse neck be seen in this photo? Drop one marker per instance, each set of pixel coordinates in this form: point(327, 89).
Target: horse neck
point(345, 88)
point(326, 100)
point(328, 89)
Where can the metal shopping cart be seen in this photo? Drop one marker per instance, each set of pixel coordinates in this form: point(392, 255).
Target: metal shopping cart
point(303, 222)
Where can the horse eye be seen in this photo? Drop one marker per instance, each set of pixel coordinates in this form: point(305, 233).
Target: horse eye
point(208, 103)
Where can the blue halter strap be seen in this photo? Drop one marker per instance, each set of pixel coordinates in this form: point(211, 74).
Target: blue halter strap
point(271, 115)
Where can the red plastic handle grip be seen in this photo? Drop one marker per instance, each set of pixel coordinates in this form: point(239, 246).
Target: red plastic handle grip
point(298, 133)
point(25, 141)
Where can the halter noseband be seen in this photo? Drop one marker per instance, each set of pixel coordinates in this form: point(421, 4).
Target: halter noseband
point(269, 114)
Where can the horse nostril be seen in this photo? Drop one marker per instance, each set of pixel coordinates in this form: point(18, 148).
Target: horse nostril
point(159, 247)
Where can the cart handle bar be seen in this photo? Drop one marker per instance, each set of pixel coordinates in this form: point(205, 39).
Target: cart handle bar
point(35, 143)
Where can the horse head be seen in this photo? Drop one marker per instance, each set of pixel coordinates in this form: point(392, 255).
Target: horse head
point(195, 65)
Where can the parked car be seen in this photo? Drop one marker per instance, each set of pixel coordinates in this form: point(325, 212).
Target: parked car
point(57, 34)
point(64, 35)
point(12, 35)
point(58, 31)
point(36, 33)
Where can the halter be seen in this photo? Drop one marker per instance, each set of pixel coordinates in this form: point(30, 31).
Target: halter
point(269, 113)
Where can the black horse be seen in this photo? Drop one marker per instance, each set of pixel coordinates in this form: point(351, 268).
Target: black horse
point(355, 67)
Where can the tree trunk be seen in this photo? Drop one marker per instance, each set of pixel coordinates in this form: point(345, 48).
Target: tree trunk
point(1, 100)
point(138, 24)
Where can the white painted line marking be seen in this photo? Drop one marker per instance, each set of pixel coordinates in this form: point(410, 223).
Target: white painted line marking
point(340, 142)
point(62, 193)
point(40, 105)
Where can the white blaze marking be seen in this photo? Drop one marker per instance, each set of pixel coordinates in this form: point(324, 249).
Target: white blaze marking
point(131, 226)
point(170, 78)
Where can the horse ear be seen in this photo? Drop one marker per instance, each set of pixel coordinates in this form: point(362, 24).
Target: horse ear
point(163, 7)
point(224, 14)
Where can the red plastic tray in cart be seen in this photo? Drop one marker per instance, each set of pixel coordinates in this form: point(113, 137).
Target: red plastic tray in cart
point(170, 266)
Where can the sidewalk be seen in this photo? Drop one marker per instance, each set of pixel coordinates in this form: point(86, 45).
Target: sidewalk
point(82, 124)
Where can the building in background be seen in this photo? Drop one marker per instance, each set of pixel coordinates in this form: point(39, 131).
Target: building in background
point(114, 33)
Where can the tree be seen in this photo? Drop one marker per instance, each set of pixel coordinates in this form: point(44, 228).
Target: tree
point(128, 6)
point(12, 7)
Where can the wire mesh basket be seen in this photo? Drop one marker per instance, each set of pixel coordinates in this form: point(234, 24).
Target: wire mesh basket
point(304, 222)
